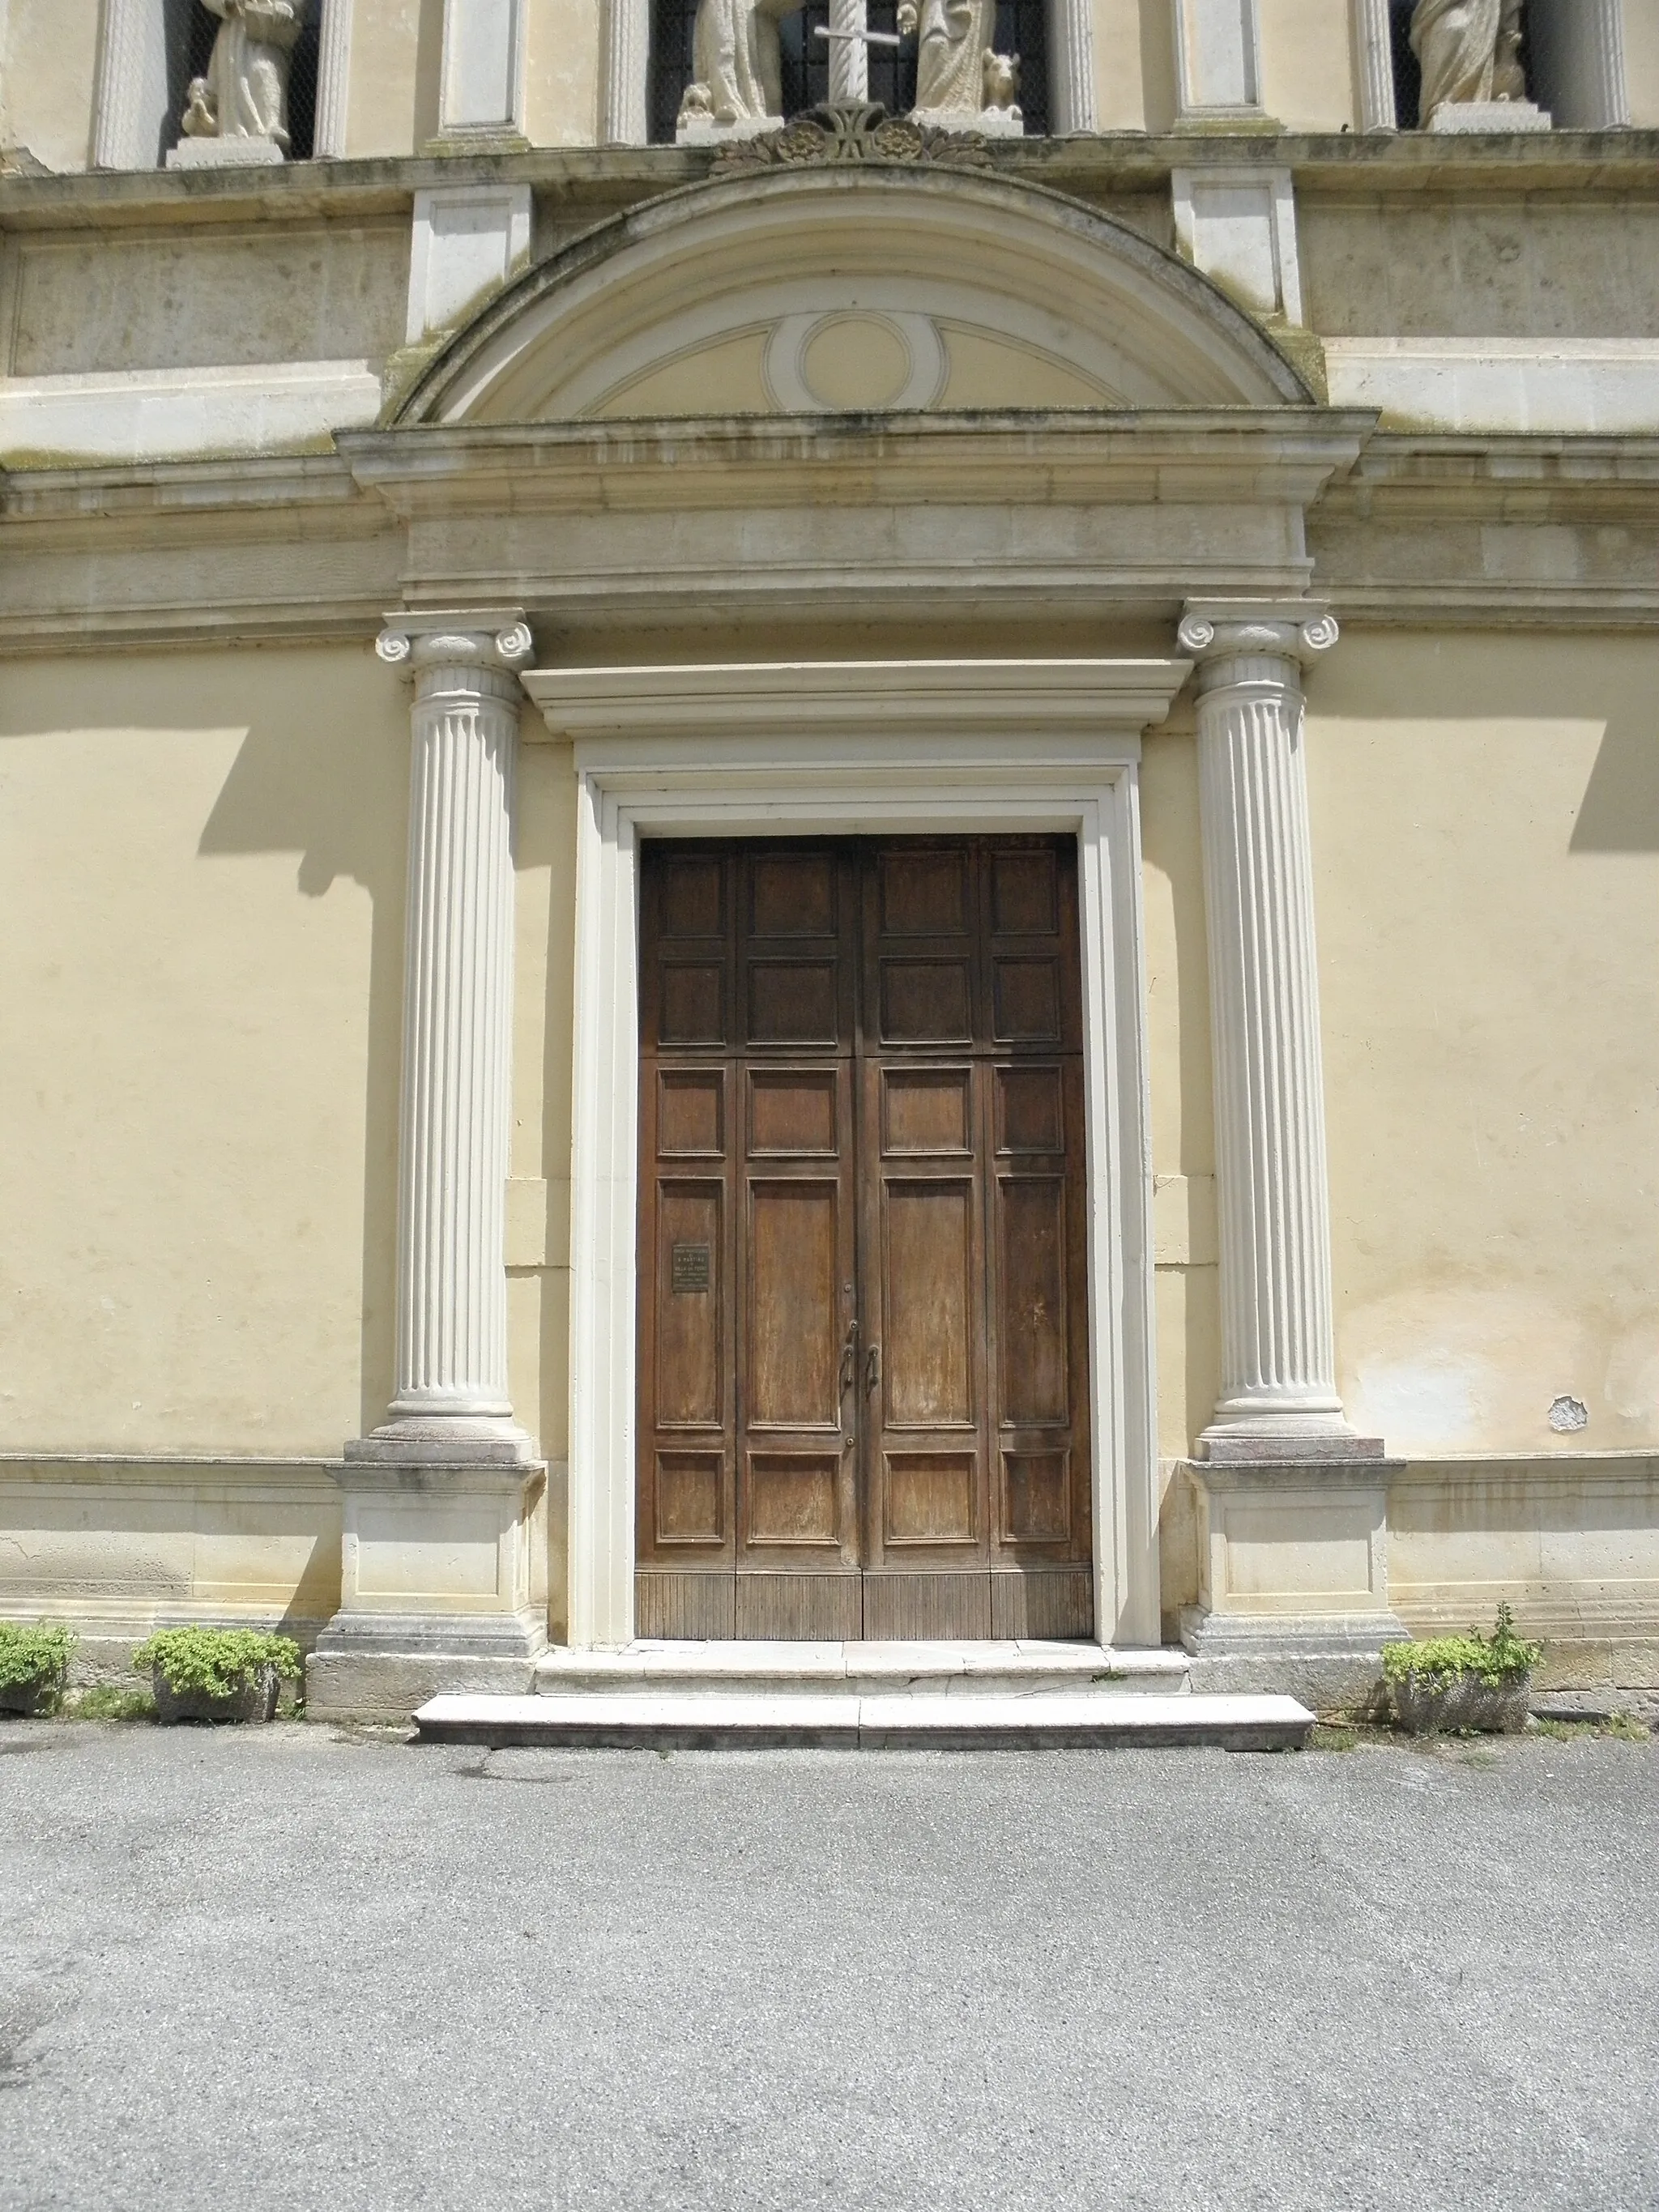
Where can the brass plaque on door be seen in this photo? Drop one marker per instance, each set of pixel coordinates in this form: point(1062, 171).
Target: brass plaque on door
point(690, 1267)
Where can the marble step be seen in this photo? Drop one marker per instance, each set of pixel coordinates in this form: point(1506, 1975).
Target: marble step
point(868, 1670)
point(718, 1720)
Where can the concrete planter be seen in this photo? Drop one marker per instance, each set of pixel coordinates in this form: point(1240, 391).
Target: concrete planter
point(256, 1700)
point(1429, 1706)
point(28, 1700)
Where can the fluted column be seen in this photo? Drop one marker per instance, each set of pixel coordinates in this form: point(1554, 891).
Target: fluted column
point(626, 51)
point(333, 80)
point(1279, 1394)
point(457, 1011)
point(130, 104)
point(1375, 99)
point(1072, 66)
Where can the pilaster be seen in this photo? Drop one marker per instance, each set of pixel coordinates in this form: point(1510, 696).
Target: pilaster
point(481, 90)
point(1217, 60)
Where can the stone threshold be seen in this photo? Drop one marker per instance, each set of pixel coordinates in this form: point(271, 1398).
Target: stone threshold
point(863, 1669)
point(716, 1720)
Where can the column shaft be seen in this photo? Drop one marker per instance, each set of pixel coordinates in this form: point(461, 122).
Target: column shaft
point(131, 102)
point(333, 79)
point(623, 120)
point(849, 58)
point(1375, 100)
point(1278, 1356)
point(458, 1012)
point(1072, 66)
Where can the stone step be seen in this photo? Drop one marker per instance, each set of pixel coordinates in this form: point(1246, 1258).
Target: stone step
point(716, 1720)
point(863, 1670)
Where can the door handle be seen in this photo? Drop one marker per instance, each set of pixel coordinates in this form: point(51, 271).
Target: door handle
point(872, 1368)
point(849, 1357)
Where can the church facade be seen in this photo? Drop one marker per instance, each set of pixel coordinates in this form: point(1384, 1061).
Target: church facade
point(830, 824)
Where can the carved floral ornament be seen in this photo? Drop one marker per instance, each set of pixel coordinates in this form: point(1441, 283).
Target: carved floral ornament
point(859, 130)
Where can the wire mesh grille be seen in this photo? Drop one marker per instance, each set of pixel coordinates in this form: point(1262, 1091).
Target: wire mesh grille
point(1022, 29)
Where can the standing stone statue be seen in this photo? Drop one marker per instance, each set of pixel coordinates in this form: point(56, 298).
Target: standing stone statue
point(245, 91)
point(739, 86)
point(962, 81)
point(1470, 50)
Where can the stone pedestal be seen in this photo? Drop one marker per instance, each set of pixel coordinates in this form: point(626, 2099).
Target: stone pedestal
point(703, 130)
point(1472, 115)
point(443, 1583)
point(226, 154)
point(443, 1521)
point(986, 123)
point(1293, 1590)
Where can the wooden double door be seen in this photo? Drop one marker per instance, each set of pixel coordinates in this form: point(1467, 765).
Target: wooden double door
point(863, 1347)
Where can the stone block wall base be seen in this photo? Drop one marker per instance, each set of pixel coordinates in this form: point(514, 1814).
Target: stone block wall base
point(1331, 1661)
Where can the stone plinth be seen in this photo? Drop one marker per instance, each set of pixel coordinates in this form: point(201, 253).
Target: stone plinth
point(986, 123)
point(226, 154)
point(1293, 1577)
point(1473, 115)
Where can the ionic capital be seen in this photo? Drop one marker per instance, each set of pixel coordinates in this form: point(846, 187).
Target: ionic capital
point(495, 641)
point(1225, 640)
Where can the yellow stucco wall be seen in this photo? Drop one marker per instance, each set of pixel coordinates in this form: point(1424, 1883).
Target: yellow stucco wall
point(1486, 817)
point(201, 887)
point(50, 51)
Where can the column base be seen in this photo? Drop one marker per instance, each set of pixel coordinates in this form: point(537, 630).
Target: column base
point(1293, 1576)
point(443, 1574)
point(1256, 1444)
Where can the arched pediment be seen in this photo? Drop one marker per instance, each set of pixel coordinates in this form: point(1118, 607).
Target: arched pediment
point(855, 289)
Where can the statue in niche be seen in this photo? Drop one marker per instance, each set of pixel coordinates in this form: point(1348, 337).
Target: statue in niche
point(1470, 50)
point(738, 85)
point(245, 91)
point(959, 71)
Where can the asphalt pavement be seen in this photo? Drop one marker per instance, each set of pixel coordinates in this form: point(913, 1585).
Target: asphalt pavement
point(293, 1967)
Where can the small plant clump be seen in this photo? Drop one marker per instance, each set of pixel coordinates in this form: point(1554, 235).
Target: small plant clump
point(33, 1664)
point(1500, 1658)
point(215, 1663)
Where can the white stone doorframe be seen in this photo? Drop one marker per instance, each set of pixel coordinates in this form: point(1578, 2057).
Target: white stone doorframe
point(861, 749)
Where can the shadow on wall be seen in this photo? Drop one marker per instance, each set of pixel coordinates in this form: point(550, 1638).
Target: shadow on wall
point(332, 784)
point(1620, 811)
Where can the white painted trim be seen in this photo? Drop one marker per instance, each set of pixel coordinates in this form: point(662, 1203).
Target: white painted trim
point(865, 748)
